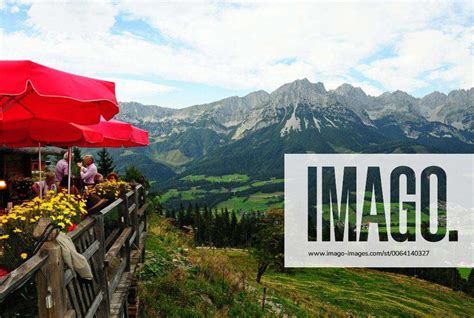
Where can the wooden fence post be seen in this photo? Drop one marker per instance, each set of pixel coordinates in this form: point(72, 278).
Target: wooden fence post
point(104, 309)
point(50, 283)
point(123, 208)
point(135, 222)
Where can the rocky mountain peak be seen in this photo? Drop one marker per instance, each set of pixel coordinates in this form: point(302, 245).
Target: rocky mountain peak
point(298, 91)
point(350, 91)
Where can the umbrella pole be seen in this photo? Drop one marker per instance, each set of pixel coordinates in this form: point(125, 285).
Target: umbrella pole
point(40, 168)
point(69, 170)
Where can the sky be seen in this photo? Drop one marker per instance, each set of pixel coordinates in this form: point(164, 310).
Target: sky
point(182, 53)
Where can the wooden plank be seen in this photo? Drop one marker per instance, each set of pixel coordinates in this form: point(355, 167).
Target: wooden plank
point(70, 314)
point(114, 282)
point(76, 285)
point(132, 208)
point(111, 206)
point(104, 308)
point(94, 247)
point(119, 298)
point(142, 210)
point(142, 227)
point(81, 228)
point(118, 244)
point(132, 239)
point(143, 237)
point(21, 275)
point(112, 236)
point(74, 300)
point(86, 285)
point(129, 194)
point(68, 276)
point(94, 306)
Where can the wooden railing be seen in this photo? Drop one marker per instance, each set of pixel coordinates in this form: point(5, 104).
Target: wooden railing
point(113, 241)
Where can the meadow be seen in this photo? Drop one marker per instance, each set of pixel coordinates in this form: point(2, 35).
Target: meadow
point(181, 280)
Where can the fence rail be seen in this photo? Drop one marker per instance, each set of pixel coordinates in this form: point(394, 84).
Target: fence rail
point(113, 242)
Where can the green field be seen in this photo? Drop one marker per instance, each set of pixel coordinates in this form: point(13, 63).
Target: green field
point(322, 292)
point(255, 202)
point(265, 182)
point(189, 194)
point(215, 179)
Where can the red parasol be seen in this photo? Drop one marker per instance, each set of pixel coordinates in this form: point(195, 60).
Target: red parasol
point(30, 133)
point(36, 132)
point(116, 134)
point(29, 90)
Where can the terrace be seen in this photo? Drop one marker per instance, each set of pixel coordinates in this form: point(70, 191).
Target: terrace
point(112, 239)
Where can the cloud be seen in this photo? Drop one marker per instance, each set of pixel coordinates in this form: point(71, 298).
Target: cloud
point(71, 17)
point(133, 90)
point(422, 56)
point(253, 45)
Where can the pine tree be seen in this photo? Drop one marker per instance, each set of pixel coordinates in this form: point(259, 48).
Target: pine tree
point(208, 223)
point(469, 287)
point(77, 154)
point(105, 164)
point(234, 230)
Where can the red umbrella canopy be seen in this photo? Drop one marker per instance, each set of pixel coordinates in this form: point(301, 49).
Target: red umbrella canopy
point(31, 133)
point(30, 90)
point(117, 134)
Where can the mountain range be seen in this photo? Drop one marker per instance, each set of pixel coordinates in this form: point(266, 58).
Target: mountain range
point(250, 134)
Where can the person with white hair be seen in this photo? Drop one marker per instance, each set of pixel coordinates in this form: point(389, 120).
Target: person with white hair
point(89, 171)
point(62, 169)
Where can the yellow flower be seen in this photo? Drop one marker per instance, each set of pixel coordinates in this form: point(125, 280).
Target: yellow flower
point(61, 224)
point(4, 237)
point(23, 255)
point(17, 230)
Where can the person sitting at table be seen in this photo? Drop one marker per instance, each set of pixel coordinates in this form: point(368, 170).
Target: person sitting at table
point(98, 178)
point(40, 188)
point(61, 170)
point(89, 171)
point(113, 177)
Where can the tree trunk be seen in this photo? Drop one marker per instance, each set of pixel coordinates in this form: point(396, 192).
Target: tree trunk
point(262, 267)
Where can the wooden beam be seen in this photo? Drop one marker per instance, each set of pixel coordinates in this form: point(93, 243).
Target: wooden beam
point(119, 298)
point(132, 208)
point(81, 228)
point(118, 244)
point(21, 275)
point(115, 280)
point(111, 206)
point(50, 283)
point(94, 306)
point(142, 210)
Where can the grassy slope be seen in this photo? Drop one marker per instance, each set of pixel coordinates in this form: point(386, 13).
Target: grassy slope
point(181, 281)
point(175, 282)
point(362, 292)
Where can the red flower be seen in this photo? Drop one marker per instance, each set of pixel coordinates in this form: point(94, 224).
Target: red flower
point(71, 227)
point(3, 272)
